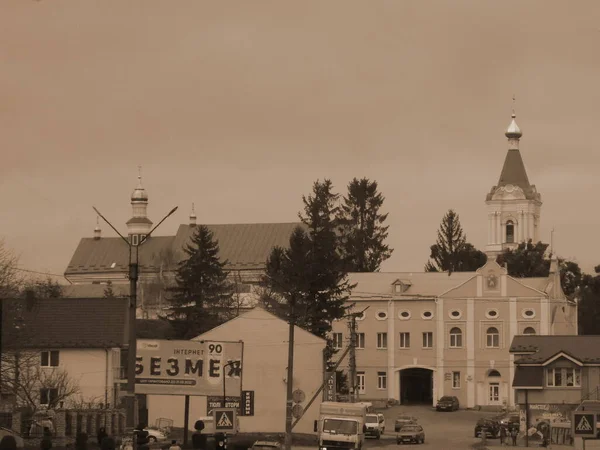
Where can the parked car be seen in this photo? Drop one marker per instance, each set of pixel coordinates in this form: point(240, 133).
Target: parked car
point(266, 445)
point(17, 436)
point(411, 433)
point(155, 435)
point(447, 403)
point(509, 419)
point(402, 420)
point(375, 425)
point(492, 427)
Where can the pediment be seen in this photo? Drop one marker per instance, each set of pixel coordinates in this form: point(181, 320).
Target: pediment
point(509, 192)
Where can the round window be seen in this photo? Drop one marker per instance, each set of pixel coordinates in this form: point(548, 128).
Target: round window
point(381, 315)
point(528, 313)
point(404, 315)
point(427, 315)
point(455, 314)
point(492, 314)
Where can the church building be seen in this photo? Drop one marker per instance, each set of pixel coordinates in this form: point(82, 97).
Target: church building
point(425, 335)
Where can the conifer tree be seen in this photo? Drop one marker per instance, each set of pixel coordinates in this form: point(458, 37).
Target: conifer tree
point(203, 296)
point(361, 227)
point(452, 252)
point(108, 290)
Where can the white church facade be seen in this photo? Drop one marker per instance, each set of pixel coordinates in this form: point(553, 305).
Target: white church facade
point(426, 335)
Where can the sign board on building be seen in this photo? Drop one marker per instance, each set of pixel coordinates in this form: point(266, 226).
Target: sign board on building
point(247, 403)
point(244, 406)
point(329, 392)
point(584, 424)
point(187, 367)
point(225, 420)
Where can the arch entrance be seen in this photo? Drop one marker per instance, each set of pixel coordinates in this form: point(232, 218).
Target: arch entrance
point(416, 386)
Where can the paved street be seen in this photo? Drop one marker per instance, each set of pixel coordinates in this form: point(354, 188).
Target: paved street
point(443, 430)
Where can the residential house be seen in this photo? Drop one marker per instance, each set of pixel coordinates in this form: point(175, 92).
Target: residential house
point(99, 259)
point(425, 335)
point(62, 346)
point(264, 372)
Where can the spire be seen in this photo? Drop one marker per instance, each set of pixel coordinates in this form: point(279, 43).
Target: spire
point(193, 217)
point(97, 230)
point(139, 194)
point(513, 132)
point(513, 171)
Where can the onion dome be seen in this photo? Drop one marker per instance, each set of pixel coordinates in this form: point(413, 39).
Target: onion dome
point(139, 194)
point(513, 131)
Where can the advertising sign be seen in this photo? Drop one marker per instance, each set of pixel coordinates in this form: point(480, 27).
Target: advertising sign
point(247, 403)
point(244, 405)
point(329, 392)
point(188, 367)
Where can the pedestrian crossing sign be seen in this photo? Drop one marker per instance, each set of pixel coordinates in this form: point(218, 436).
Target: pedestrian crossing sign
point(225, 420)
point(584, 424)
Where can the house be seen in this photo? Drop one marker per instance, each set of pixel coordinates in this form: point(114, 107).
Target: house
point(425, 335)
point(67, 351)
point(99, 259)
point(264, 373)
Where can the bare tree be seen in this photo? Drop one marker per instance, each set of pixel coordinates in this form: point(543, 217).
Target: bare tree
point(10, 281)
point(33, 386)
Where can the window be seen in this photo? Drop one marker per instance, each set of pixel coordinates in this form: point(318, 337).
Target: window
point(427, 339)
point(529, 330)
point(427, 315)
point(455, 314)
point(528, 313)
point(48, 396)
point(142, 238)
point(360, 382)
point(360, 340)
point(381, 315)
point(455, 338)
point(404, 315)
point(381, 380)
point(404, 340)
point(492, 314)
point(338, 340)
point(49, 358)
point(492, 337)
point(455, 380)
point(134, 239)
point(563, 377)
point(510, 232)
point(381, 340)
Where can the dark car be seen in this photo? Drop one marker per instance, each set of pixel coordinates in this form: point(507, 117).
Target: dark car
point(447, 403)
point(402, 420)
point(411, 433)
point(509, 419)
point(492, 427)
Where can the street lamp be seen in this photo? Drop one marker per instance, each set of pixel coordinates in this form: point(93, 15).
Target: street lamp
point(229, 364)
point(133, 278)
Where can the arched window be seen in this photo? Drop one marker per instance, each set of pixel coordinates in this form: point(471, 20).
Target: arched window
point(494, 373)
point(529, 330)
point(510, 232)
point(493, 337)
point(455, 338)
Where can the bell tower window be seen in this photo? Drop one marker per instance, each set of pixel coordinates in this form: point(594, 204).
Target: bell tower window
point(510, 232)
point(134, 239)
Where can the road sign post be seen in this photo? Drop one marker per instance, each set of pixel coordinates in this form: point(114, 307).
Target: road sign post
point(584, 425)
point(225, 420)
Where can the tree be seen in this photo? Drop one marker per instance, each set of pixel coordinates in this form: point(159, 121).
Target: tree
point(46, 288)
point(108, 290)
point(361, 227)
point(27, 381)
point(9, 278)
point(153, 290)
point(452, 252)
point(527, 260)
point(203, 297)
point(588, 297)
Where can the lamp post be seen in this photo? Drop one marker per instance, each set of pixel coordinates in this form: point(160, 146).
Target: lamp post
point(133, 279)
point(229, 364)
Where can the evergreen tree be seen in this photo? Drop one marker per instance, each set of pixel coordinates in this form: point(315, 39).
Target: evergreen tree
point(42, 289)
point(361, 227)
point(588, 296)
point(526, 261)
point(452, 252)
point(108, 290)
point(203, 296)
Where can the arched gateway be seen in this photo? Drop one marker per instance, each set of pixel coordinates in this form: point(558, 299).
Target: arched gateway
point(416, 385)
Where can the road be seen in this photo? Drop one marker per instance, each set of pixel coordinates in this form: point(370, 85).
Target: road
point(443, 430)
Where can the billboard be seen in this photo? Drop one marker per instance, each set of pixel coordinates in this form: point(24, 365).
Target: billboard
point(166, 367)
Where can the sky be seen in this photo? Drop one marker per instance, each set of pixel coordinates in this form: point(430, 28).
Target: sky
point(240, 106)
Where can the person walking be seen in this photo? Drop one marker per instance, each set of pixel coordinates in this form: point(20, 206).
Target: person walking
point(502, 435)
point(513, 434)
point(101, 435)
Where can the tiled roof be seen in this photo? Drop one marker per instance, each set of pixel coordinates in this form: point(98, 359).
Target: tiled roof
point(514, 173)
point(245, 246)
point(528, 377)
point(64, 323)
point(422, 284)
point(582, 348)
point(93, 290)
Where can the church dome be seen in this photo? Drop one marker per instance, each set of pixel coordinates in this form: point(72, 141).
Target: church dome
point(513, 131)
point(139, 194)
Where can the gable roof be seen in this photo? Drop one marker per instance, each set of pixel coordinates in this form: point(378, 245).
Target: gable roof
point(514, 173)
point(545, 348)
point(64, 323)
point(271, 321)
point(378, 285)
point(245, 246)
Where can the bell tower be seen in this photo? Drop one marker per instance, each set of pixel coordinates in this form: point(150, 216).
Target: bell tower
point(139, 225)
point(513, 205)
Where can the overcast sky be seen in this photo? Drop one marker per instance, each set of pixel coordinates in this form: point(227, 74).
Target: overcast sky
point(240, 106)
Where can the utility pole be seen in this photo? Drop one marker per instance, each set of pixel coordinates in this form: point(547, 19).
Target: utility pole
point(353, 338)
point(132, 347)
point(290, 374)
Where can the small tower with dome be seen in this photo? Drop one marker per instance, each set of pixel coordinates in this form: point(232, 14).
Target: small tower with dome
point(139, 225)
point(514, 204)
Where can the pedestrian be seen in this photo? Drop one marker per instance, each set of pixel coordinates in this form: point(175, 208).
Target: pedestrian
point(8, 443)
point(174, 445)
point(101, 435)
point(502, 434)
point(513, 434)
point(81, 440)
